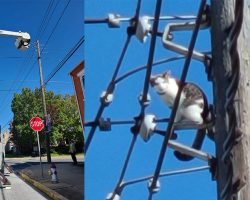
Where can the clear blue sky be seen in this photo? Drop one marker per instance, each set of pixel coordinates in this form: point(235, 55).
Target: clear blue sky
point(19, 68)
point(107, 151)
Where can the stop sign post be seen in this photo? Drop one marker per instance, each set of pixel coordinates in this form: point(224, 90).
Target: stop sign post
point(36, 124)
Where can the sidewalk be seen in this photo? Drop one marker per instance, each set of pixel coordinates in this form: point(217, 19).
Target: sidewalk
point(70, 177)
point(19, 190)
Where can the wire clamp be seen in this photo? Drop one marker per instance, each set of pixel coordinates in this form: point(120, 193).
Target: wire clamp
point(112, 196)
point(147, 127)
point(136, 128)
point(212, 162)
point(156, 187)
point(106, 98)
point(143, 28)
point(104, 125)
point(113, 20)
point(144, 102)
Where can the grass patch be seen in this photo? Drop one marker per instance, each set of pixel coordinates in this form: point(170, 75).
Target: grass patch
point(9, 155)
point(55, 152)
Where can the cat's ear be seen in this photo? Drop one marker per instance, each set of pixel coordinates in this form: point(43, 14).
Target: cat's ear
point(167, 74)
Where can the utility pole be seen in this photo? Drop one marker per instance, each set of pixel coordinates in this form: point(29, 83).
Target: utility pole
point(2, 151)
point(230, 73)
point(47, 136)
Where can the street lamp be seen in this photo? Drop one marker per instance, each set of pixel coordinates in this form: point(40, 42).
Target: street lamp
point(22, 38)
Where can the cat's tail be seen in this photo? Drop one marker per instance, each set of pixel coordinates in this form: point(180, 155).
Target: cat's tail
point(200, 135)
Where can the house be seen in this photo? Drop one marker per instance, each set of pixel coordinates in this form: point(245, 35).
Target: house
point(77, 75)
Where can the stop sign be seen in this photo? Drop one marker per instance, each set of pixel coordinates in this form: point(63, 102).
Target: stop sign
point(36, 124)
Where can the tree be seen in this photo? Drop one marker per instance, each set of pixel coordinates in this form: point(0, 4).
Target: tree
point(24, 106)
point(64, 115)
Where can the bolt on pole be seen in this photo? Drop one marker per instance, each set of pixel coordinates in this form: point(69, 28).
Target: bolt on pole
point(47, 135)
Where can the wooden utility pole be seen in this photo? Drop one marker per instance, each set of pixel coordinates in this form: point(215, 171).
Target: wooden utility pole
point(230, 31)
point(47, 136)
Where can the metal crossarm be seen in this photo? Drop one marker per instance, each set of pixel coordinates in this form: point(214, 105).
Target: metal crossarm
point(164, 174)
point(128, 19)
point(179, 48)
point(189, 151)
point(145, 124)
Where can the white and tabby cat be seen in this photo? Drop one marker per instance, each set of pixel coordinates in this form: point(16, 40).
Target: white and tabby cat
point(193, 106)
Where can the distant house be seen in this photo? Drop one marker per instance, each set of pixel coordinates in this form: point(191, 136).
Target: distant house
point(77, 75)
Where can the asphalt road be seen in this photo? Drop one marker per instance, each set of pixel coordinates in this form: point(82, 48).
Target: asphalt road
point(70, 177)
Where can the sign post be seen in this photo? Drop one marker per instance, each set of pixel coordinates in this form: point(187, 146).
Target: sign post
point(36, 124)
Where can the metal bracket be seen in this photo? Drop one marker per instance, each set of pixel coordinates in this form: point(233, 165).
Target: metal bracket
point(104, 125)
point(184, 26)
point(213, 168)
point(189, 151)
point(157, 185)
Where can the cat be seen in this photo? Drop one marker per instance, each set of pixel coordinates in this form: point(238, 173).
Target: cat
point(193, 105)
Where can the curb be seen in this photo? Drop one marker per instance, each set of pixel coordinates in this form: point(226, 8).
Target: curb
point(51, 193)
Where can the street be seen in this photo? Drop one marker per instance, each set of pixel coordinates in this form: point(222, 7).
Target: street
point(70, 185)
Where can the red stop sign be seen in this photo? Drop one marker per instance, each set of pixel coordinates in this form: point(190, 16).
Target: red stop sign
point(36, 124)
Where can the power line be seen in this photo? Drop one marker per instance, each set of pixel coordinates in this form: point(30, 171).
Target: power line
point(58, 21)
point(42, 28)
point(64, 60)
point(28, 60)
point(40, 31)
point(58, 82)
point(46, 19)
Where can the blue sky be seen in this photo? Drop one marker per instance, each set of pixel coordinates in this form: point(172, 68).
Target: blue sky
point(19, 68)
point(106, 154)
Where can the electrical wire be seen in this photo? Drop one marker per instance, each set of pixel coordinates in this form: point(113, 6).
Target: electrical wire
point(64, 60)
point(44, 20)
point(47, 20)
point(57, 23)
point(28, 59)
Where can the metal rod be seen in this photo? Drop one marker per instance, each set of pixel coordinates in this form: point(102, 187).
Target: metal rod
point(132, 144)
point(164, 174)
point(189, 151)
point(128, 19)
point(177, 126)
point(151, 53)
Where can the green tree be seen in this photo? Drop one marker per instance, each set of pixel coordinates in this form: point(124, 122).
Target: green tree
point(24, 106)
point(62, 109)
